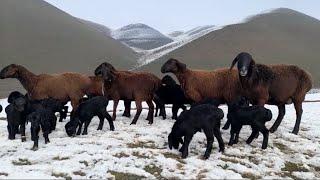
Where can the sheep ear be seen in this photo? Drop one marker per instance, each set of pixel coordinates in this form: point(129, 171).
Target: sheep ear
point(234, 62)
point(182, 67)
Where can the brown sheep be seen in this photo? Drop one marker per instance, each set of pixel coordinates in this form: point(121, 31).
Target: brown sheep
point(139, 87)
point(220, 84)
point(273, 84)
point(97, 89)
point(63, 87)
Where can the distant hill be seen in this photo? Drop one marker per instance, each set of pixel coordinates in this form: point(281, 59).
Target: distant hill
point(280, 36)
point(140, 36)
point(45, 39)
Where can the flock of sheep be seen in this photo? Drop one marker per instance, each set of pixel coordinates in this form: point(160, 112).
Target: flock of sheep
point(249, 83)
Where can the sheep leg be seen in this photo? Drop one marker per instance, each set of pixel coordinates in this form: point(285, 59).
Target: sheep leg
point(86, 124)
point(139, 109)
point(209, 134)
point(187, 140)
point(101, 122)
point(163, 112)
point(232, 132)
point(217, 134)
point(282, 112)
point(252, 136)
point(115, 105)
point(23, 132)
point(35, 137)
point(127, 107)
point(63, 113)
point(226, 125)
point(46, 136)
point(74, 104)
point(79, 128)
point(265, 133)
point(175, 109)
point(108, 117)
point(236, 140)
point(156, 111)
point(299, 110)
point(150, 113)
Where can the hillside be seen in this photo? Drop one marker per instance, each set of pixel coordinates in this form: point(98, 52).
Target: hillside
point(280, 36)
point(46, 39)
point(140, 36)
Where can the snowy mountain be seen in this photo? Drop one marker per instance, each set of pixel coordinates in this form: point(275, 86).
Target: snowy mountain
point(200, 30)
point(140, 36)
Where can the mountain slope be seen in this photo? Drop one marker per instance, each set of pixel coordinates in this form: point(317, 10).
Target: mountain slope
point(140, 36)
point(45, 39)
point(280, 36)
point(99, 27)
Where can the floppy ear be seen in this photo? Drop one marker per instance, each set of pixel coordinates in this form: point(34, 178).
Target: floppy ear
point(181, 66)
point(180, 140)
point(234, 62)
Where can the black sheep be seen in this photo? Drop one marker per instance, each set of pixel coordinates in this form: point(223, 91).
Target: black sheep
point(16, 115)
point(41, 118)
point(95, 106)
point(170, 93)
point(255, 116)
point(201, 117)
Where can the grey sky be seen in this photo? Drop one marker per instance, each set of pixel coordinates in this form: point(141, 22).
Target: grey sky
point(171, 15)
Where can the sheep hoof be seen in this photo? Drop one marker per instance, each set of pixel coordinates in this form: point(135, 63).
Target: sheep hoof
point(295, 132)
point(99, 129)
point(206, 157)
point(34, 148)
point(133, 123)
point(23, 139)
point(150, 122)
point(272, 130)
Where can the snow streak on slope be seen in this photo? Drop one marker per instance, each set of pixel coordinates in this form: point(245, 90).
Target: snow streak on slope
point(153, 54)
point(141, 150)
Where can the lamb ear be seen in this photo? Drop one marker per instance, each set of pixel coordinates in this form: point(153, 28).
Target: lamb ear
point(180, 140)
point(234, 62)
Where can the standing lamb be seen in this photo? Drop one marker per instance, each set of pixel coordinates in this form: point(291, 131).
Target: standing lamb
point(170, 93)
point(240, 114)
point(43, 119)
point(273, 84)
point(137, 86)
point(16, 115)
point(95, 106)
point(204, 117)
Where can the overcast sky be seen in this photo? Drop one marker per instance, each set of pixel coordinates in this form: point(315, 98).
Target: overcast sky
point(171, 15)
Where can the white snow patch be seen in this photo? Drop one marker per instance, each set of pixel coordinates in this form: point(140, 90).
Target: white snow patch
point(142, 150)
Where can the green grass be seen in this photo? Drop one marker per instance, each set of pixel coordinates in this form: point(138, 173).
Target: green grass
point(61, 175)
point(154, 170)
point(21, 162)
point(125, 176)
point(291, 167)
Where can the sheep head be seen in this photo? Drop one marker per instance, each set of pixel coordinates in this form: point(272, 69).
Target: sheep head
point(71, 126)
point(245, 64)
point(168, 81)
point(18, 100)
point(106, 70)
point(11, 71)
point(173, 66)
point(174, 141)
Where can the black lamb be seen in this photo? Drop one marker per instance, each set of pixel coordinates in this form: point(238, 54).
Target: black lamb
point(204, 117)
point(170, 93)
point(95, 106)
point(255, 116)
point(45, 119)
point(16, 115)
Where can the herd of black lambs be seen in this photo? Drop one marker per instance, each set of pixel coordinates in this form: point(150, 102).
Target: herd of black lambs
point(245, 89)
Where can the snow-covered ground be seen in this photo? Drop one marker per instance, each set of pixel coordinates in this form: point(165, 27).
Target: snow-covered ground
point(141, 151)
